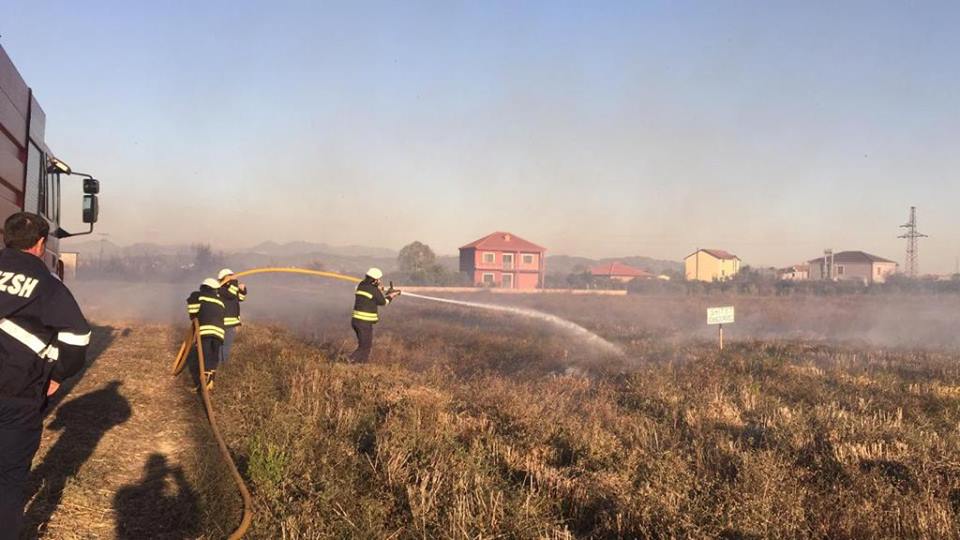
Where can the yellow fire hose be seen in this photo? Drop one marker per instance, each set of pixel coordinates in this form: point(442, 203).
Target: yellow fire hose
point(193, 339)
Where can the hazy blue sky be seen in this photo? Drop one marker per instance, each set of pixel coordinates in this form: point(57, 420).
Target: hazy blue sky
point(770, 129)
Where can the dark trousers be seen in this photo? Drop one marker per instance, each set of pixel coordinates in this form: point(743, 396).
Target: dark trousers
point(211, 352)
point(364, 331)
point(230, 333)
point(17, 447)
point(211, 357)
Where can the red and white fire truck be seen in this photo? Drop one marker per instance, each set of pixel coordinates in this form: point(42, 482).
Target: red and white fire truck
point(29, 172)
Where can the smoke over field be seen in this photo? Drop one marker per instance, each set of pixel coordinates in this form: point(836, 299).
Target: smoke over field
point(477, 423)
point(320, 310)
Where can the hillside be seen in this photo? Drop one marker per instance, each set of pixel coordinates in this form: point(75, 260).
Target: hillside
point(350, 258)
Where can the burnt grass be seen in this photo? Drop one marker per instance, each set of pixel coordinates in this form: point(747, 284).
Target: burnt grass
point(458, 429)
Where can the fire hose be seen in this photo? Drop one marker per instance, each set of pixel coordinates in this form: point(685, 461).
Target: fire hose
point(192, 339)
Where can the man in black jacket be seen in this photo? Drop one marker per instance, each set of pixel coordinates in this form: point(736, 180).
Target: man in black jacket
point(232, 292)
point(369, 296)
point(43, 341)
point(210, 319)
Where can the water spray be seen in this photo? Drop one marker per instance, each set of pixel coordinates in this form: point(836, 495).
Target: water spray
point(568, 326)
point(571, 327)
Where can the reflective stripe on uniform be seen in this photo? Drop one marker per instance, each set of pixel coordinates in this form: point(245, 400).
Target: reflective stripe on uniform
point(233, 289)
point(211, 330)
point(365, 316)
point(193, 308)
point(211, 300)
point(365, 293)
point(231, 321)
point(241, 297)
point(32, 342)
point(78, 340)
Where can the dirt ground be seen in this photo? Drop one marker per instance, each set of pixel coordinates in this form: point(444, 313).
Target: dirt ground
point(116, 444)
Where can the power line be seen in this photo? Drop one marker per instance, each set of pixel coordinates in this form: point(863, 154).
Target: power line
point(912, 235)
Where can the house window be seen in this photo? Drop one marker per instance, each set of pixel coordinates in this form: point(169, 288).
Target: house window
point(489, 258)
point(839, 269)
point(527, 258)
point(488, 278)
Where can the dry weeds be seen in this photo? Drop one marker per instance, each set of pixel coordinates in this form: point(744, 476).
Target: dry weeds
point(457, 433)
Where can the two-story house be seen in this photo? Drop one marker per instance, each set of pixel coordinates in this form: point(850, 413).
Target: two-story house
point(502, 259)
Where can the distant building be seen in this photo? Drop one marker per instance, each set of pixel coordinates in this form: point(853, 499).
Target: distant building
point(800, 272)
point(852, 265)
point(69, 259)
point(711, 265)
point(502, 259)
point(620, 272)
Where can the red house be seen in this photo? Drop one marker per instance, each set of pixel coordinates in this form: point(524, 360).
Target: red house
point(503, 260)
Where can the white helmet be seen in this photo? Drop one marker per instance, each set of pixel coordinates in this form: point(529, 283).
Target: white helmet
point(224, 273)
point(375, 273)
point(212, 283)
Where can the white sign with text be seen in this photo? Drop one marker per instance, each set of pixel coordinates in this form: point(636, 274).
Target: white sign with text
point(720, 315)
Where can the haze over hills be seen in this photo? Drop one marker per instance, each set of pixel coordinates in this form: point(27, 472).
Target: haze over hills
point(351, 258)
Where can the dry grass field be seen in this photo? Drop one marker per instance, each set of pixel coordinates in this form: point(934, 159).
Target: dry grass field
point(823, 418)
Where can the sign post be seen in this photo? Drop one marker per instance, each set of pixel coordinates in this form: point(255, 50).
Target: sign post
point(720, 316)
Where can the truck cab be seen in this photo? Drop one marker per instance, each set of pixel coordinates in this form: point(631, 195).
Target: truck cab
point(30, 175)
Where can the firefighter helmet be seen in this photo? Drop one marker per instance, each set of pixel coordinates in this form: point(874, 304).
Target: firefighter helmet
point(375, 273)
point(224, 273)
point(212, 283)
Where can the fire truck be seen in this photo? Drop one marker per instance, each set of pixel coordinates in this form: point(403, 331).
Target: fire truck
point(29, 173)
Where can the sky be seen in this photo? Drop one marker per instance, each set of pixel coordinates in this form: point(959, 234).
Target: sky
point(773, 130)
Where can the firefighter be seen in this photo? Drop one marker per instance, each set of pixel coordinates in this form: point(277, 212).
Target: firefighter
point(210, 324)
point(369, 296)
point(43, 341)
point(232, 292)
point(193, 305)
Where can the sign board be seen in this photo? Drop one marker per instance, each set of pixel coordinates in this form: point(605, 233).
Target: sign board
point(720, 315)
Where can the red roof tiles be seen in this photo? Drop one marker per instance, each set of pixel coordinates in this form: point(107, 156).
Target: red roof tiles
point(504, 241)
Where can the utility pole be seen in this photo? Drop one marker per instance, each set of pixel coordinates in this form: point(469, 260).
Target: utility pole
point(912, 246)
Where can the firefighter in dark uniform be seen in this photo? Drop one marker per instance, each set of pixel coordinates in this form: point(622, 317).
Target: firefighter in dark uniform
point(232, 292)
point(43, 341)
point(210, 324)
point(193, 305)
point(369, 296)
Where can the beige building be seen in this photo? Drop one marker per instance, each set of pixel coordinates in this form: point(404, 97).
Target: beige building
point(711, 265)
point(69, 260)
point(852, 265)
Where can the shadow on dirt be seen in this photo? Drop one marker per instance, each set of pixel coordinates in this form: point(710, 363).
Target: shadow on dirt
point(84, 420)
point(161, 505)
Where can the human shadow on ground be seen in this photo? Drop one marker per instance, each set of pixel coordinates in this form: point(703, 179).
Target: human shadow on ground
point(161, 505)
point(84, 421)
point(101, 337)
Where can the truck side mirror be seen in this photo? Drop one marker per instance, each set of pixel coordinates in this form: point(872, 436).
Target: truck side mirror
point(91, 186)
point(91, 206)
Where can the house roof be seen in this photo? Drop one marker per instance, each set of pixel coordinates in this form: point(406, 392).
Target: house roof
point(617, 268)
point(715, 253)
point(503, 241)
point(853, 257)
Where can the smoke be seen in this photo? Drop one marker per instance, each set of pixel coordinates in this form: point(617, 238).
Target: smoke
point(320, 310)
